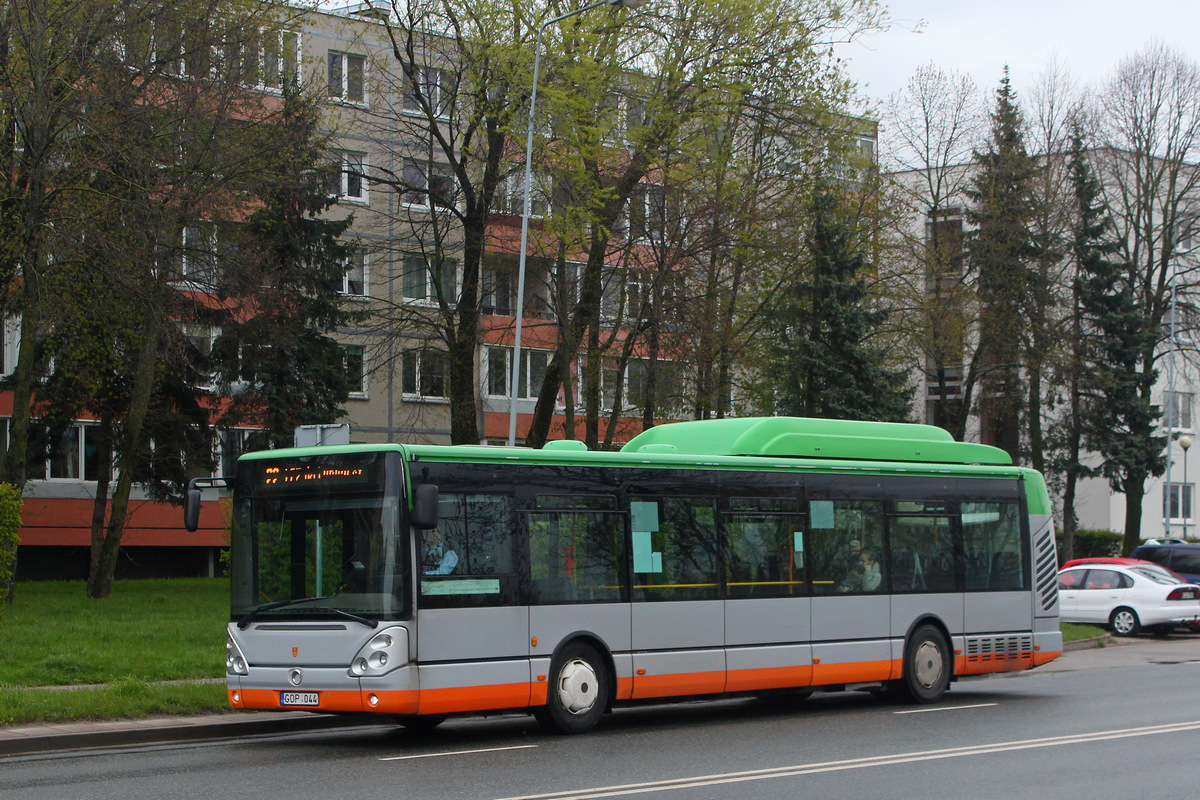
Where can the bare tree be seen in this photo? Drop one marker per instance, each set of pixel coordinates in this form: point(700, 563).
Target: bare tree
point(1150, 114)
point(931, 130)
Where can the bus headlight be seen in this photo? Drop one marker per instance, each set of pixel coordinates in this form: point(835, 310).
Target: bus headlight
point(235, 662)
point(384, 652)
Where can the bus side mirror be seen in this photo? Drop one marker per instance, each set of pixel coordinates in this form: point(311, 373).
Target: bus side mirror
point(424, 514)
point(191, 510)
point(191, 502)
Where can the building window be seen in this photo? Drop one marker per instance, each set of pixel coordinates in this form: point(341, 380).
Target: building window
point(428, 186)
point(510, 195)
point(430, 88)
point(347, 77)
point(74, 457)
point(533, 371)
point(353, 281)
point(349, 176)
point(1177, 411)
point(498, 291)
point(430, 280)
point(425, 374)
point(356, 370)
point(1178, 502)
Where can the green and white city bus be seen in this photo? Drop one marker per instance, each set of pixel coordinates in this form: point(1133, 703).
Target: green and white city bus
point(758, 556)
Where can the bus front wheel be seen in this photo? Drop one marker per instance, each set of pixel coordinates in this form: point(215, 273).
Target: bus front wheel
point(579, 690)
point(927, 666)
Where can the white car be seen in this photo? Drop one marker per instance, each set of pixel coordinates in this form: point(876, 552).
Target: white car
point(1126, 598)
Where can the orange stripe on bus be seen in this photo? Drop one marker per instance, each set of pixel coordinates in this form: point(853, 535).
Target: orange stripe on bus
point(753, 680)
point(474, 698)
point(855, 672)
point(678, 684)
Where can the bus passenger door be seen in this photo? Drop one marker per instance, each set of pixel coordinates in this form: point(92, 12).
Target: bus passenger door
point(767, 607)
point(851, 609)
point(678, 620)
point(472, 636)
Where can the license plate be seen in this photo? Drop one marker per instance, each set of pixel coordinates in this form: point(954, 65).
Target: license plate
point(299, 699)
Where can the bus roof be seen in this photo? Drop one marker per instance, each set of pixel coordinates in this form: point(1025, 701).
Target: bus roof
point(770, 443)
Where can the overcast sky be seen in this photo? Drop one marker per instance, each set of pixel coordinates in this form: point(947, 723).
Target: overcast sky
point(980, 37)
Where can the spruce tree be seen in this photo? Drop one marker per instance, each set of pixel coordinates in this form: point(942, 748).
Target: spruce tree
point(1002, 253)
point(276, 356)
point(1115, 419)
point(823, 359)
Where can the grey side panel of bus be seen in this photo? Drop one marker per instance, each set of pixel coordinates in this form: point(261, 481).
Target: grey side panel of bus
point(462, 635)
point(869, 616)
point(678, 638)
point(551, 625)
point(783, 622)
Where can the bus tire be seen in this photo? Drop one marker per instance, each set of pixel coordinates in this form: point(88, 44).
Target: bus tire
point(579, 690)
point(1124, 622)
point(420, 723)
point(927, 666)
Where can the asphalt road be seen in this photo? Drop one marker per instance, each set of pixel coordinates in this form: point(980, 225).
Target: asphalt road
point(1115, 722)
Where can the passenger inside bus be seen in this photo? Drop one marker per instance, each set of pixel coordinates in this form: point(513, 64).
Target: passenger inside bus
point(439, 559)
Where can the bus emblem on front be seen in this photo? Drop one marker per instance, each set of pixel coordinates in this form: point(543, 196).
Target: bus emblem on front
point(295, 652)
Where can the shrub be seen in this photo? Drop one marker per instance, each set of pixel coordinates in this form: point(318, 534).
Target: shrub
point(1091, 543)
point(10, 523)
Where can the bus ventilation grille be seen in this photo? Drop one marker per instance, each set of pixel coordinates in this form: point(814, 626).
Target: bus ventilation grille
point(999, 648)
point(1045, 562)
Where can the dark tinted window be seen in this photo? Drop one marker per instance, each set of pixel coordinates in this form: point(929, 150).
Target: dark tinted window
point(674, 548)
point(1185, 559)
point(766, 549)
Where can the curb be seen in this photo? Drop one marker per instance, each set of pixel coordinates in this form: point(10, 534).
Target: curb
point(34, 739)
point(1088, 644)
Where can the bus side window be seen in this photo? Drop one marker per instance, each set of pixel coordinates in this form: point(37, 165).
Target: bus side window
point(675, 548)
point(992, 541)
point(575, 555)
point(766, 550)
point(847, 547)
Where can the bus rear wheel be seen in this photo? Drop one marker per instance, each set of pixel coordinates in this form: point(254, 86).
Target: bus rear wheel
point(579, 690)
point(927, 666)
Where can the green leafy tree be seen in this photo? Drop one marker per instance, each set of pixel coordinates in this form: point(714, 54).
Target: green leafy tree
point(825, 359)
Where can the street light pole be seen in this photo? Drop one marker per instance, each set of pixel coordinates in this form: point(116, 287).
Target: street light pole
point(525, 208)
point(1186, 492)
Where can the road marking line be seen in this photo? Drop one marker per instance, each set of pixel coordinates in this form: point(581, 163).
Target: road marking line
point(702, 781)
point(461, 752)
point(944, 708)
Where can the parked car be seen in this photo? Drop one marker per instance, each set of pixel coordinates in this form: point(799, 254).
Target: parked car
point(1128, 562)
point(1165, 541)
point(1181, 558)
point(1126, 598)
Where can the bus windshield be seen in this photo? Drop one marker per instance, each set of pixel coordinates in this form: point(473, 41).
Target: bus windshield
point(317, 536)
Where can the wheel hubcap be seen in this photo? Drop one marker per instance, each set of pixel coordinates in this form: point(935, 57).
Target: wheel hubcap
point(578, 686)
point(928, 664)
point(1123, 622)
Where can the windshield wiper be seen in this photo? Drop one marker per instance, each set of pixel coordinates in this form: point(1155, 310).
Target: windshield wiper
point(246, 620)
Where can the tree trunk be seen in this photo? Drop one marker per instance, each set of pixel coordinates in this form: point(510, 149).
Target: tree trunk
point(100, 503)
point(100, 586)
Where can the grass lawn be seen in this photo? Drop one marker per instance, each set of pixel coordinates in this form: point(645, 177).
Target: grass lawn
point(145, 632)
point(1073, 632)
